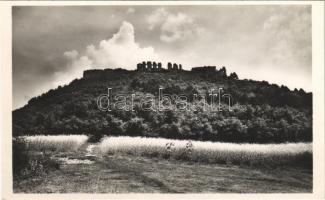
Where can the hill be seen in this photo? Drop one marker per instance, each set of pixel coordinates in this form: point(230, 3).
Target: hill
point(259, 112)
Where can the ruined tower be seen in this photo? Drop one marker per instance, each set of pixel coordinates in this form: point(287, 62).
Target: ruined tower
point(175, 67)
point(153, 66)
point(169, 66)
point(149, 65)
point(144, 65)
point(139, 67)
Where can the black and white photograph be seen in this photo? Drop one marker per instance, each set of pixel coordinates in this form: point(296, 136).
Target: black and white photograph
point(162, 98)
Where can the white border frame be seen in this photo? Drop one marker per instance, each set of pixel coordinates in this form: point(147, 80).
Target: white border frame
point(318, 101)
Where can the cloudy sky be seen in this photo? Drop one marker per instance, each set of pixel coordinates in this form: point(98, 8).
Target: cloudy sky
point(54, 45)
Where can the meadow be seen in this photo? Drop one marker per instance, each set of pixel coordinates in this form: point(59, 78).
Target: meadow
point(70, 164)
point(55, 142)
point(209, 152)
point(196, 151)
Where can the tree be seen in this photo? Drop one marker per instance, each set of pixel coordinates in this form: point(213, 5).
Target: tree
point(116, 126)
point(136, 127)
point(233, 76)
point(231, 129)
point(170, 131)
point(223, 72)
point(170, 117)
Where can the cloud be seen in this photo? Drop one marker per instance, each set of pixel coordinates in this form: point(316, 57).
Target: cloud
point(75, 67)
point(120, 51)
point(71, 55)
point(173, 27)
point(130, 11)
point(157, 18)
point(289, 37)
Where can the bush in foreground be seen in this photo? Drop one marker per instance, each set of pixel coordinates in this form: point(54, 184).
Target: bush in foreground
point(27, 164)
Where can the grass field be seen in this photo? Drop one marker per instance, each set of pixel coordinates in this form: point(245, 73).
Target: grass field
point(209, 152)
point(55, 142)
point(142, 165)
point(123, 174)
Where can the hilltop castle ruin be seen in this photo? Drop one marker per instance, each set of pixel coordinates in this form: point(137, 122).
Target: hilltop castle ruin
point(149, 66)
point(211, 70)
point(156, 66)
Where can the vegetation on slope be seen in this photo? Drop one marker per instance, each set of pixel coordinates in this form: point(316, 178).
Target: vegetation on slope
point(260, 112)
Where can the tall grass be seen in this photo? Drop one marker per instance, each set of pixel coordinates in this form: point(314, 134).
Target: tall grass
point(57, 142)
point(211, 152)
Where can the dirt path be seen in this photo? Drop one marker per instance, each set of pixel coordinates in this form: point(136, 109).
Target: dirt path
point(88, 172)
point(137, 174)
point(132, 172)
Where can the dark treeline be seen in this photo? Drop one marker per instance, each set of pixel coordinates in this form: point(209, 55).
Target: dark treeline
point(260, 112)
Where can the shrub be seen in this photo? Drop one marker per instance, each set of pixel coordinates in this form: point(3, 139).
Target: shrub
point(26, 164)
point(20, 157)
